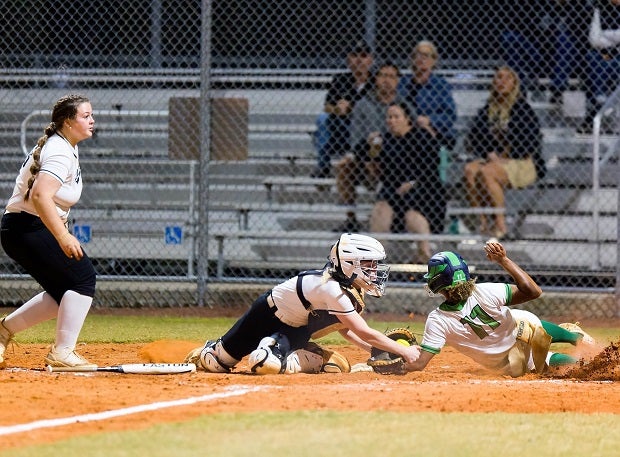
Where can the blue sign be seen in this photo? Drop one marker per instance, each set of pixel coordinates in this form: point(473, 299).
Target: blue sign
point(82, 233)
point(173, 234)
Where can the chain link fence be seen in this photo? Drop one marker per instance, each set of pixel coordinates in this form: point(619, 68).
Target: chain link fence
point(236, 140)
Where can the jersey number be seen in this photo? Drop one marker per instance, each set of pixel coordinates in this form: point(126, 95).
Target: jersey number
point(478, 313)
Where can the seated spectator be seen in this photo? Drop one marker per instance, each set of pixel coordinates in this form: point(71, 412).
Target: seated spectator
point(603, 60)
point(410, 197)
point(367, 126)
point(430, 95)
point(506, 138)
point(344, 91)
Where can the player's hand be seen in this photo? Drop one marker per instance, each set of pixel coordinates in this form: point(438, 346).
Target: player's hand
point(495, 251)
point(412, 354)
point(71, 246)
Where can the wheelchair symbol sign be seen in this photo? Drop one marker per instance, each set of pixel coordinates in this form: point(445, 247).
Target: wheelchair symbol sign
point(82, 233)
point(173, 234)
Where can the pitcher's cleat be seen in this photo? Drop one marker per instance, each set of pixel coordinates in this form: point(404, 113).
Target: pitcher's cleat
point(5, 339)
point(575, 328)
point(67, 358)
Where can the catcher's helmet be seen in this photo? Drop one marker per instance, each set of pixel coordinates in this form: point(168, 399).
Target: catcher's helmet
point(347, 256)
point(445, 269)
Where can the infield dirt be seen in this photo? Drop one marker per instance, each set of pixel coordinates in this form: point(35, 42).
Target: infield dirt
point(451, 383)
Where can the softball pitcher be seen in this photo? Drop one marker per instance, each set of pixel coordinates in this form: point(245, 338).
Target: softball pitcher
point(34, 234)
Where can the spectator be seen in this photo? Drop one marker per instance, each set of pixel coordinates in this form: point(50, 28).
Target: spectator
point(506, 137)
point(545, 38)
point(411, 197)
point(34, 234)
point(603, 59)
point(367, 125)
point(475, 319)
point(430, 95)
point(344, 91)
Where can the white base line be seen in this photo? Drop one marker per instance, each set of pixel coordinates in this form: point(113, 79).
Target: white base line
point(48, 423)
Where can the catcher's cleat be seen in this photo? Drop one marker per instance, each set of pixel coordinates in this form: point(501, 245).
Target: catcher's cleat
point(66, 358)
point(212, 357)
point(575, 328)
point(194, 356)
point(5, 339)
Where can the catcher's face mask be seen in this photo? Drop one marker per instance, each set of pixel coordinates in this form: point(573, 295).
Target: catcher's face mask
point(359, 258)
point(374, 276)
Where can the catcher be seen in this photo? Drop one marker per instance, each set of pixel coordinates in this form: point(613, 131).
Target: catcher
point(476, 321)
point(277, 328)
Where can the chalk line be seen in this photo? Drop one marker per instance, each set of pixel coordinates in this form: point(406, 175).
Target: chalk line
point(48, 423)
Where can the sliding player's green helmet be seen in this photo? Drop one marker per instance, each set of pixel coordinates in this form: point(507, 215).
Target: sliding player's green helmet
point(445, 269)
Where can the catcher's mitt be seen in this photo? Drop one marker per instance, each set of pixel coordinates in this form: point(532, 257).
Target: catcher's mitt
point(384, 362)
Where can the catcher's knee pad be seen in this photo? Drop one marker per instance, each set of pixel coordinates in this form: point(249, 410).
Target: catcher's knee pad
point(270, 355)
point(315, 359)
point(214, 358)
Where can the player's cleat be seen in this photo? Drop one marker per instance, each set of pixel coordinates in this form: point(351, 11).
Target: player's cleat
point(194, 356)
point(66, 358)
point(575, 328)
point(5, 339)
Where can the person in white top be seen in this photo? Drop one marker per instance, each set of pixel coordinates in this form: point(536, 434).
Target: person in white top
point(476, 321)
point(34, 234)
point(276, 330)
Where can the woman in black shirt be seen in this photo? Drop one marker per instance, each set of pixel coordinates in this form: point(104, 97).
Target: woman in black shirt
point(410, 197)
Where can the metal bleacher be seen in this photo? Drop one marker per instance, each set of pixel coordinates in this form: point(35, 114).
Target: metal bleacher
point(266, 216)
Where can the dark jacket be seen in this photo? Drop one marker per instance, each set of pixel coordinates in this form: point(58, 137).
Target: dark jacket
point(412, 157)
point(523, 135)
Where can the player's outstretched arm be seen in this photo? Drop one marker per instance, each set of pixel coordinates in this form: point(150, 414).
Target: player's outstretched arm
point(526, 288)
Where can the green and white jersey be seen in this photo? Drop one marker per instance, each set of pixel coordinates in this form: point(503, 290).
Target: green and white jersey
point(481, 328)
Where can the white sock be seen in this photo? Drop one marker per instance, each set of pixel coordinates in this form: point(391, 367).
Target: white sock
point(40, 308)
point(71, 315)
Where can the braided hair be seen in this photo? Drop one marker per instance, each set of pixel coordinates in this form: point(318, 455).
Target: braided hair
point(65, 108)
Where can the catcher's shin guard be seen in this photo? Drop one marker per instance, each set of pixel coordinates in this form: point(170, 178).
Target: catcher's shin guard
point(212, 357)
point(270, 355)
point(312, 358)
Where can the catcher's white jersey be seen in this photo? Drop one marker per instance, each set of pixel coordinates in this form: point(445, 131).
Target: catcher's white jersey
point(60, 160)
point(481, 328)
point(324, 294)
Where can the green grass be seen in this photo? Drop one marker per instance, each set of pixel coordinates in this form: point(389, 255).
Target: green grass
point(327, 433)
point(143, 329)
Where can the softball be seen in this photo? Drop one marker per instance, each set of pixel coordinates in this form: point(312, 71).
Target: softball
point(403, 342)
